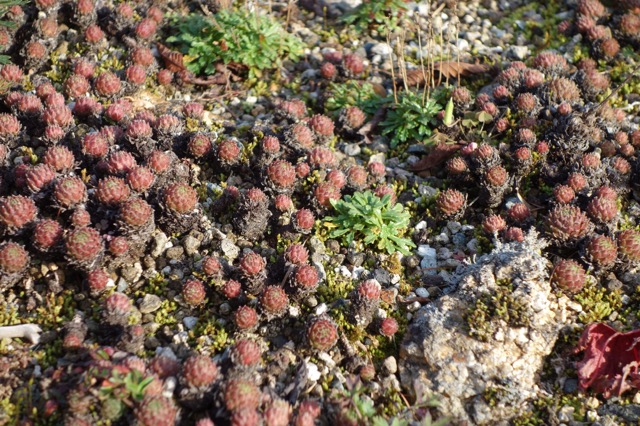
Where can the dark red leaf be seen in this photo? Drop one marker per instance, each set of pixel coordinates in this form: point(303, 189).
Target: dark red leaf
point(611, 360)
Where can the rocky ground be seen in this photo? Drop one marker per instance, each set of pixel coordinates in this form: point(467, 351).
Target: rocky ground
point(316, 212)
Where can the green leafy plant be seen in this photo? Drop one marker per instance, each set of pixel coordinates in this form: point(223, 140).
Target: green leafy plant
point(125, 386)
point(376, 13)
point(354, 93)
point(356, 407)
point(251, 39)
point(448, 114)
point(375, 221)
point(411, 118)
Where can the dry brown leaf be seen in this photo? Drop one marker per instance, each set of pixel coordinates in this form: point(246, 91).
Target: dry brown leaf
point(440, 153)
point(368, 127)
point(454, 69)
point(173, 60)
point(415, 77)
point(379, 89)
point(446, 69)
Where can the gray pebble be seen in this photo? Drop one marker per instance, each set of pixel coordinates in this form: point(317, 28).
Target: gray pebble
point(498, 32)
point(379, 145)
point(131, 273)
point(229, 249)
point(411, 261)
point(356, 259)
point(390, 365)
point(412, 307)
point(190, 322)
point(175, 253)
point(191, 245)
point(121, 285)
point(225, 308)
point(333, 246)
point(427, 191)
point(517, 52)
point(412, 159)
point(454, 226)
point(418, 148)
point(420, 225)
point(442, 238)
point(382, 276)
point(473, 245)
point(160, 240)
point(444, 253)
point(472, 35)
point(352, 149)
point(150, 303)
point(316, 245)
point(422, 292)
point(614, 284)
point(151, 342)
point(382, 49)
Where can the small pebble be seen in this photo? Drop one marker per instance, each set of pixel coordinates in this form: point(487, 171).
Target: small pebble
point(454, 226)
point(169, 387)
point(190, 322)
point(422, 292)
point(473, 245)
point(225, 308)
point(121, 285)
point(313, 374)
point(321, 309)
point(181, 337)
point(442, 238)
point(175, 253)
point(414, 306)
point(150, 303)
point(351, 149)
point(444, 253)
point(570, 385)
point(160, 239)
point(191, 245)
point(390, 365)
point(229, 249)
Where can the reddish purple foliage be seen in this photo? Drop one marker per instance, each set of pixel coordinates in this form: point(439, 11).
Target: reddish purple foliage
point(611, 360)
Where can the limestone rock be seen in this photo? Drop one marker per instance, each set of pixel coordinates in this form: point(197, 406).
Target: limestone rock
point(491, 381)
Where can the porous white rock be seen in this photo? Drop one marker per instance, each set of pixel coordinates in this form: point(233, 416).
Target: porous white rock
point(438, 355)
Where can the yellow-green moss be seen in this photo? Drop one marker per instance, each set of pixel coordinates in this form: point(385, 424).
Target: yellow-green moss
point(335, 287)
point(209, 327)
point(164, 315)
point(9, 315)
point(156, 285)
point(489, 308)
point(597, 303)
point(56, 309)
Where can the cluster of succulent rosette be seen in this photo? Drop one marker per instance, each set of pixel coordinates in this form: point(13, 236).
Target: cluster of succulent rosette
point(88, 178)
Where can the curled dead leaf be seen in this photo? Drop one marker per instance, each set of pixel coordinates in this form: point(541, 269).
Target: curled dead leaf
point(173, 61)
point(445, 69)
point(440, 153)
